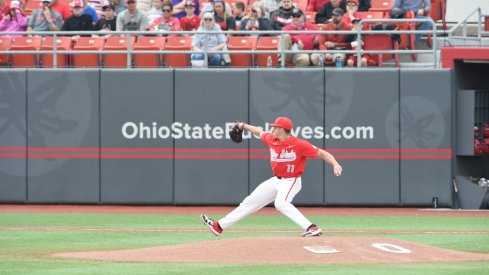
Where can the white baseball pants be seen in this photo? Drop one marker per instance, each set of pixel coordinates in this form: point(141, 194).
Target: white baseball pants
point(282, 191)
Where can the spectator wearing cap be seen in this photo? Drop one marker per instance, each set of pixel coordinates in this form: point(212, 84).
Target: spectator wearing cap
point(132, 19)
point(155, 11)
point(282, 16)
point(109, 21)
point(13, 20)
point(419, 7)
point(316, 5)
point(45, 19)
point(179, 8)
point(352, 12)
point(78, 21)
point(222, 17)
point(353, 40)
point(62, 9)
point(301, 41)
point(256, 20)
point(167, 23)
point(332, 41)
point(326, 12)
point(87, 9)
point(190, 22)
point(212, 43)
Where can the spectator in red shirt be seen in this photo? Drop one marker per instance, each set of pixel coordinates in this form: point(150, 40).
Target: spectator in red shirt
point(190, 22)
point(334, 41)
point(62, 9)
point(167, 23)
point(316, 5)
point(299, 42)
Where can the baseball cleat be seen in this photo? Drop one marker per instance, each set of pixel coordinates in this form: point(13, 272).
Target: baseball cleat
point(213, 225)
point(312, 231)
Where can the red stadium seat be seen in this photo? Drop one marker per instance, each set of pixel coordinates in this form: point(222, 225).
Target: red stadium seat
point(438, 11)
point(26, 44)
point(310, 16)
point(178, 43)
point(5, 45)
point(301, 4)
point(63, 43)
point(377, 42)
point(145, 43)
point(87, 44)
point(236, 43)
point(267, 43)
point(117, 60)
point(32, 5)
point(383, 6)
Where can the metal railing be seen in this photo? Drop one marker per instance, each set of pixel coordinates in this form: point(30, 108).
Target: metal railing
point(463, 24)
point(358, 52)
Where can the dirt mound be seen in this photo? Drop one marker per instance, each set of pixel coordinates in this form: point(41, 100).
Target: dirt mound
point(286, 250)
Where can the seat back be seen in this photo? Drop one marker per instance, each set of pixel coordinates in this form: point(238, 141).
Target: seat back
point(5, 45)
point(301, 4)
point(32, 5)
point(26, 44)
point(117, 60)
point(438, 11)
point(375, 42)
point(146, 43)
point(310, 16)
point(383, 6)
point(178, 43)
point(236, 43)
point(267, 43)
point(63, 43)
point(87, 44)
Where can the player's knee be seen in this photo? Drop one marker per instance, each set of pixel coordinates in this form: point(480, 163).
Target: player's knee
point(281, 205)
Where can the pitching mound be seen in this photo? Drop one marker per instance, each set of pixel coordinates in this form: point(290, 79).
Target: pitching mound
point(287, 250)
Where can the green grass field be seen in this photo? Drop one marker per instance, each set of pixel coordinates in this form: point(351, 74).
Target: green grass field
point(29, 251)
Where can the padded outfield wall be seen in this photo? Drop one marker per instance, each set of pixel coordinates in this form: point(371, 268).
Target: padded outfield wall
point(160, 136)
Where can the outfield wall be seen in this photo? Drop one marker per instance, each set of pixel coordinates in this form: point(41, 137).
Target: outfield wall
point(159, 136)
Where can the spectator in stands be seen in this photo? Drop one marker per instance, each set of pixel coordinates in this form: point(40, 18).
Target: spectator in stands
point(364, 5)
point(78, 21)
point(44, 19)
point(420, 8)
point(209, 42)
point(255, 20)
point(272, 5)
point(326, 12)
point(119, 6)
point(353, 40)
point(144, 5)
point(14, 20)
point(179, 8)
point(167, 23)
point(299, 42)
point(109, 21)
point(155, 11)
point(97, 6)
point(352, 12)
point(62, 9)
point(224, 19)
point(132, 19)
point(282, 16)
point(191, 22)
point(209, 6)
point(87, 9)
point(334, 41)
point(238, 11)
point(316, 5)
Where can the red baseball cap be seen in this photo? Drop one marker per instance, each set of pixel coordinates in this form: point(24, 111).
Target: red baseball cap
point(354, 1)
point(283, 122)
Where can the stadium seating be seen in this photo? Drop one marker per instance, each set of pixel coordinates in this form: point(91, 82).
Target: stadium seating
point(117, 60)
point(63, 43)
point(310, 16)
point(178, 43)
point(145, 43)
point(438, 11)
point(5, 44)
point(377, 42)
point(87, 44)
point(267, 43)
point(383, 6)
point(31, 5)
point(26, 44)
point(236, 43)
point(301, 4)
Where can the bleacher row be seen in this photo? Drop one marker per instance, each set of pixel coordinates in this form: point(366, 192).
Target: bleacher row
point(378, 10)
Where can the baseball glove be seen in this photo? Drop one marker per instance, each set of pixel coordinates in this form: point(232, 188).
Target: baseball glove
point(236, 133)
